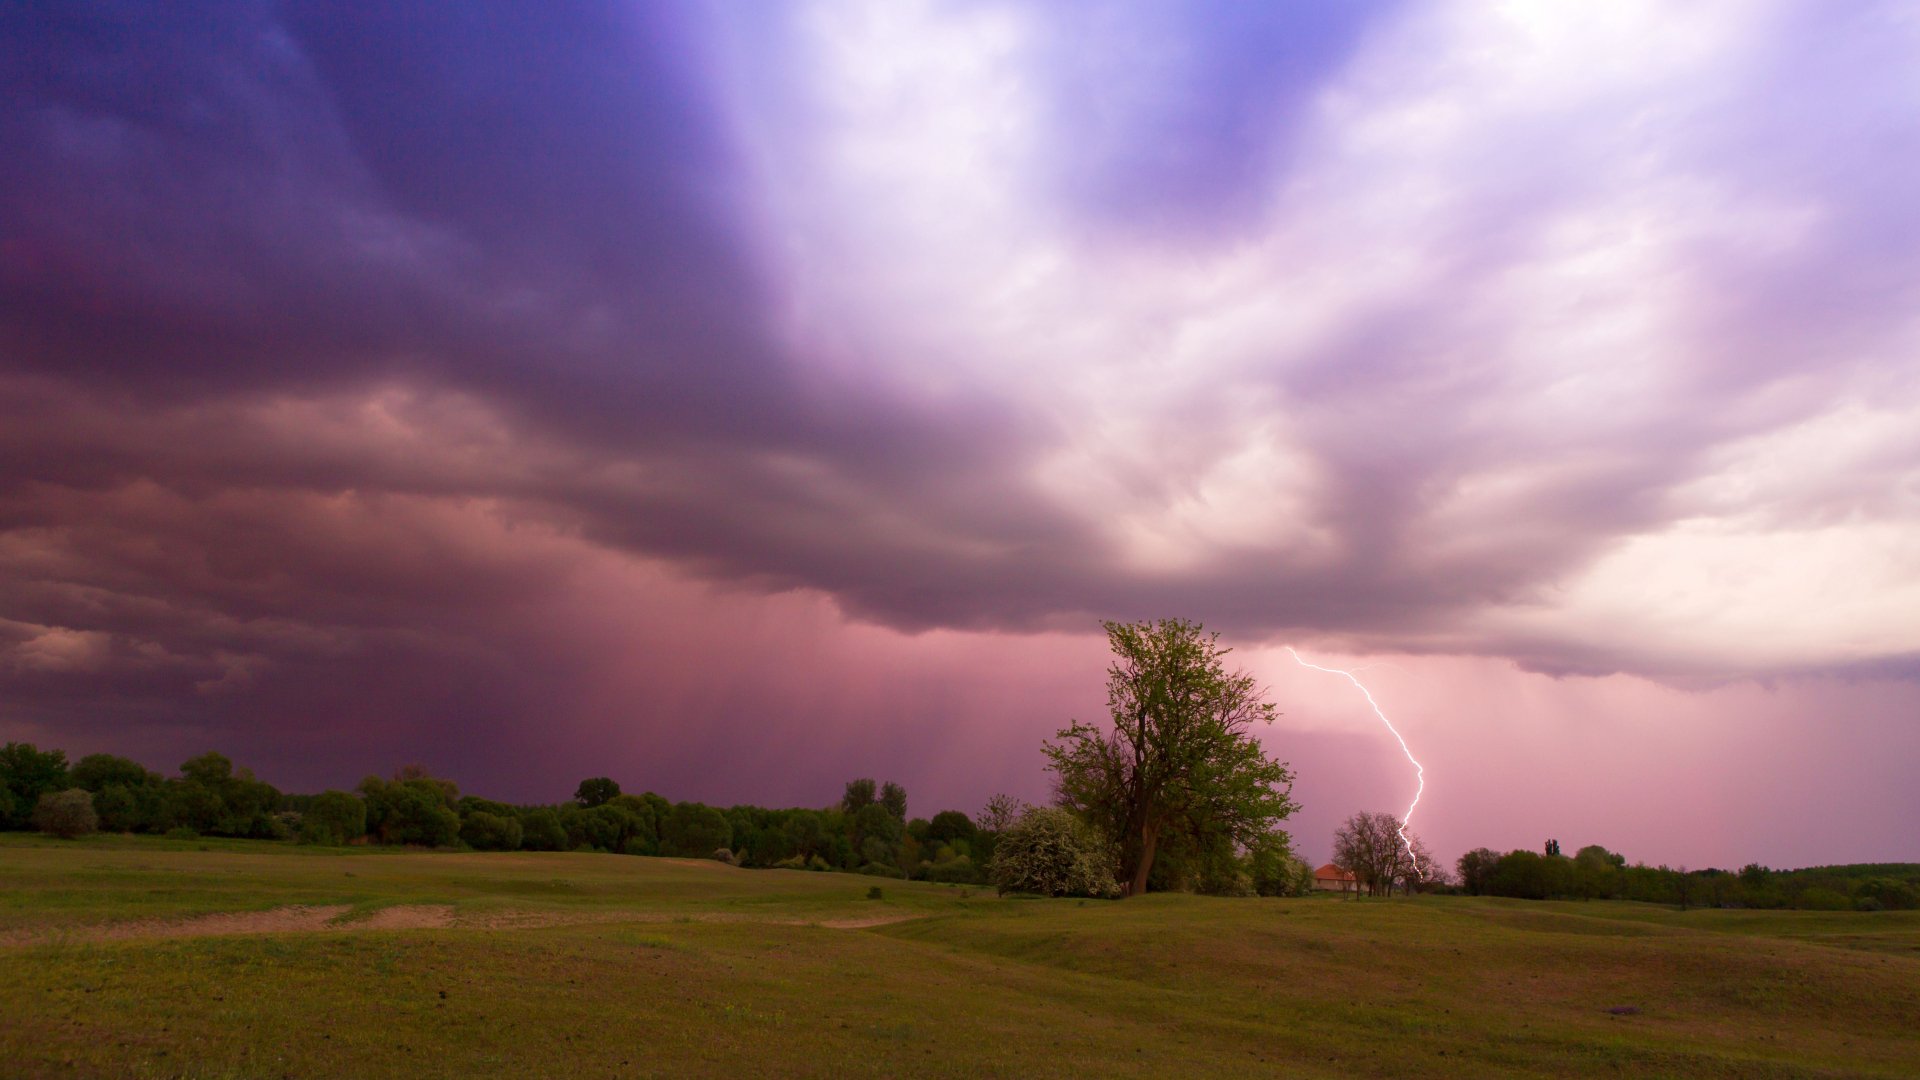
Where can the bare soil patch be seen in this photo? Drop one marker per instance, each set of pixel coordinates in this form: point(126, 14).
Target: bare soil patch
point(328, 918)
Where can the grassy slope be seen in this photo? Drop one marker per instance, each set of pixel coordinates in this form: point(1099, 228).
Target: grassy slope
point(698, 978)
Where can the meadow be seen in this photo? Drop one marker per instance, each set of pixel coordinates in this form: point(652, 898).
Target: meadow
point(127, 956)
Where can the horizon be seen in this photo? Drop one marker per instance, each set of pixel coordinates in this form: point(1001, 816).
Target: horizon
point(736, 403)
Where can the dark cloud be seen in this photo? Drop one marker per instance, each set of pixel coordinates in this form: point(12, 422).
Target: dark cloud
point(340, 350)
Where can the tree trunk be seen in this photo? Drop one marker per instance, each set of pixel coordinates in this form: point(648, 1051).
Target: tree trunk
point(1138, 885)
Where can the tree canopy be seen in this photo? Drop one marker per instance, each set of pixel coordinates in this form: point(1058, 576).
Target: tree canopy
point(1179, 758)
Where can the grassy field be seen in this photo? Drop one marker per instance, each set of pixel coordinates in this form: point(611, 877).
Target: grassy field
point(121, 957)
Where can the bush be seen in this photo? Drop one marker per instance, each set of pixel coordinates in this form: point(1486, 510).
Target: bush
point(333, 818)
point(958, 870)
point(490, 832)
point(1051, 852)
point(1822, 899)
point(725, 856)
point(66, 814)
point(818, 864)
point(875, 893)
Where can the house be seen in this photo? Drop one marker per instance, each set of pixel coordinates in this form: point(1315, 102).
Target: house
point(1330, 878)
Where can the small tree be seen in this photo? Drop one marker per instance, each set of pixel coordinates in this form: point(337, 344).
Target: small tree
point(894, 798)
point(858, 796)
point(1051, 852)
point(67, 814)
point(595, 791)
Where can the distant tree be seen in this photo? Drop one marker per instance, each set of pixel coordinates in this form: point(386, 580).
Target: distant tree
point(1553, 849)
point(1179, 756)
point(1275, 870)
point(540, 830)
point(595, 791)
point(1001, 812)
point(1596, 872)
point(878, 834)
point(858, 796)
point(1369, 846)
point(95, 772)
point(694, 831)
point(66, 814)
point(1523, 875)
point(1476, 870)
point(118, 807)
point(948, 826)
point(26, 774)
point(333, 818)
point(894, 798)
point(215, 799)
point(1052, 852)
point(641, 828)
point(416, 810)
point(490, 832)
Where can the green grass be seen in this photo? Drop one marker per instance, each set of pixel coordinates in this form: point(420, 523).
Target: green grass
point(672, 968)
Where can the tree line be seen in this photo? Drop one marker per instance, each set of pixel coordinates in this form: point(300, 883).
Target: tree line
point(1385, 857)
point(1173, 793)
point(867, 831)
point(1594, 873)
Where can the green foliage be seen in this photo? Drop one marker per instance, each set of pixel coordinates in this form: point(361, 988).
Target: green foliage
point(490, 832)
point(26, 774)
point(1178, 760)
point(215, 799)
point(640, 825)
point(1820, 898)
point(119, 810)
point(415, 810)
point(66, 814)
point(540, 830)
point(1275, 870)
point(595, 791)
point(333, 818)
point(96, 772)
point(858, 796)
point(875, 893)
point(894, 798)
point(950, 825)
point(694, 831)
point(1476, 871)
point(1051, 852)
point(958, 870)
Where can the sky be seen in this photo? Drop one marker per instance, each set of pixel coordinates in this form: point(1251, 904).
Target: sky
point(737, 399)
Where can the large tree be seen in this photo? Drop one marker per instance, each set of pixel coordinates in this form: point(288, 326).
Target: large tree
point(1179, 757)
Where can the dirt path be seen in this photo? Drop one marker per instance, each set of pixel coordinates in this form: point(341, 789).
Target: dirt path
point(329, 918)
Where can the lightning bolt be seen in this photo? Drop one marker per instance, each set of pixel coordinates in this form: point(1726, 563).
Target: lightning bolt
point(1419, 771)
